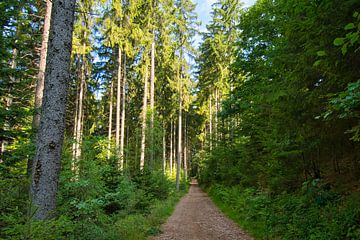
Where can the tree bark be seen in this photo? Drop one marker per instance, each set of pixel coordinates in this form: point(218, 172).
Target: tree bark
point(185, 148)
point(174, 146)
point(152, 100)
point(216, 116)
point(79, 122)
point(122, 130)
point(164, 149)
point(9, 97)
point(39, 91)
point(179, 153)
point(110, 119)
point(171, 148)
point(118, 106)
point(143, 124)
point(45, 173)
point(210, 122)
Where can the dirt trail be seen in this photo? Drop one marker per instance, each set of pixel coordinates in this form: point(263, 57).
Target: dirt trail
point(197, 218)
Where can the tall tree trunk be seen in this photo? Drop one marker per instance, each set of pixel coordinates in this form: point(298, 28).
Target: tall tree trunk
point(110, 118)
point(216, 116)
point(171, 148)
point(39, 91)
point(79, 122)
point(143, 124)
point(179, 153)
point(210, 122)
point(185, 148)
point(9, 97)
point(174, 146)
point(122, 131)
point(164, 148)
point(118, 106)
point(75, 126)
point(45, 173)
point(152, 100)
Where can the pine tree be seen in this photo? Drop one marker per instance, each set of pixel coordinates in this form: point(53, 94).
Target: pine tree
point(45, 174)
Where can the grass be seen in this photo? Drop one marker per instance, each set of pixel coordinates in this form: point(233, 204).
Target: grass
point(249, 226)
point(314, 212)
point(141, 226)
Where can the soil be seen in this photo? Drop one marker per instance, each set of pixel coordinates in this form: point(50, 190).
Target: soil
point(197, 218)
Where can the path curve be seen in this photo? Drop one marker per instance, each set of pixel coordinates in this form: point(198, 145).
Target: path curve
point(197, 218)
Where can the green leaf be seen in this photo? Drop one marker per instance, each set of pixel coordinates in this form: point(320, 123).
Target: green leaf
point(354, 38)
point(317, 63)
point(321, 53)
point(356, 14)
point(350, 26)
point(344, 49)
point(339, 41)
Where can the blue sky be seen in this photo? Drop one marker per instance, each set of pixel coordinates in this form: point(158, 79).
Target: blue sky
point(203, 10)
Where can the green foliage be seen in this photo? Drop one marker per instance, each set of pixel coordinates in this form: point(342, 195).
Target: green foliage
point(314, 212)
point(99, 203)
point(345, 105)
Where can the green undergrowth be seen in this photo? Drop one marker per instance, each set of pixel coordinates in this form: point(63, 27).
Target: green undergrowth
point(128, 213)
point(101, 202)
point(314, 212)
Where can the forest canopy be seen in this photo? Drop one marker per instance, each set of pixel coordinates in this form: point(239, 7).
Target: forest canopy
point(109, 107)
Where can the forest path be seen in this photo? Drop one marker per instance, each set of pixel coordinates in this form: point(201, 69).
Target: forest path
point(197, 218)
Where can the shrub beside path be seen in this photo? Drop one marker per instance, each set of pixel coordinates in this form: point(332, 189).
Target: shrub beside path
point(197, 218)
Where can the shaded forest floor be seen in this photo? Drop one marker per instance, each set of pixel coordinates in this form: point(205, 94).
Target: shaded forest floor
point(196, 217)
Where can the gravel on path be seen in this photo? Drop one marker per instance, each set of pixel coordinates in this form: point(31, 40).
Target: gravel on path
point(197, 218)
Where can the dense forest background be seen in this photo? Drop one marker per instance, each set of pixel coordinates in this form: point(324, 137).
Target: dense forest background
point(265, 113)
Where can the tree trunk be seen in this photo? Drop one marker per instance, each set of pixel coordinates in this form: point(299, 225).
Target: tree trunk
point(9, 97)
point(45, 173)
point(122, 131)
point(216, 116)
point(110, 118)
point(179, 153)
point(75, 126)
point(152, 101)
point(171, 148)
point(174, 146)
point(118, 106)
point(143, 124)
point(164, 149)
point(185, 149)
point(39, 91)
point(210, 122)
point(79, 122)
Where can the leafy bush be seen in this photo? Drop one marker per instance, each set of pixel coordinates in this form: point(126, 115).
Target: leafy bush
point(314, 212)
point(100, 202)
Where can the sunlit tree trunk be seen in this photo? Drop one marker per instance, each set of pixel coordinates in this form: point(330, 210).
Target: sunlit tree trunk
point(152, 98)
point(174, 146)
point(39, 91)
point(110, 118)
point(118, 106)
point(164, 148)
point(143, 124)
point(45, 173)
point(79, 117)
point(216, 116)
point(75, 120)
point(185, 149)
point(179, 137)
point(171, 148)
point(123, 106)
point(210, 122)
point(9, 97)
